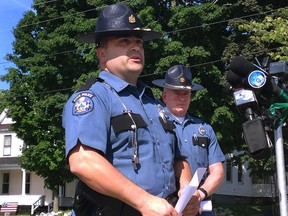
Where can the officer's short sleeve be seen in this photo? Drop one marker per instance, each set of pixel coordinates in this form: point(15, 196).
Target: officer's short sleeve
point(86, 117)
point(215, 153)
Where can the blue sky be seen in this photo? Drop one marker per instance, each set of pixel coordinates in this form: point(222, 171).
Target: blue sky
point(11, 11)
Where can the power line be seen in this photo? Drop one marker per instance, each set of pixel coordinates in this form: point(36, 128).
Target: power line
point(43, 3)
point(179, 30)
point(210, 62)
point(56, 18)
point(141, 76)
point(228, 20)
point(184, 29)
point(36, 93)
point(40, 3)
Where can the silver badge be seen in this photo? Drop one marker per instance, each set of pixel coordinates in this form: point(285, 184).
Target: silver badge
point(202, 130)
point(162, 113)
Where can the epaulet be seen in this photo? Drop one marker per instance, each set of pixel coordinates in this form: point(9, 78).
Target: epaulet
point(196, 119)
point(89, 83)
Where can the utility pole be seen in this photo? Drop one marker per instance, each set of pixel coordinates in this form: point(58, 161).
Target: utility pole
point(281, 173)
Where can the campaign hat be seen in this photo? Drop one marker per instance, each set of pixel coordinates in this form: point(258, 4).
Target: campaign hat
point(178, 77)
point(118, 19)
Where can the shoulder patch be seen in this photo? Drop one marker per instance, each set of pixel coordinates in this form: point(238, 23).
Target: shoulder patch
point(83, 103)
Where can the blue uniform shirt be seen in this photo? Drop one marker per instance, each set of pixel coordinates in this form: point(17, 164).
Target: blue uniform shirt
point(203, 149)
point(87, 117)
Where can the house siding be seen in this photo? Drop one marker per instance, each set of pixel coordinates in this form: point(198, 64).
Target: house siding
point(246, 188)
point(11, 164)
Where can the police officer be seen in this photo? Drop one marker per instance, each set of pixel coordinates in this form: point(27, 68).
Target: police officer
point(117, 143)
point(198, 137)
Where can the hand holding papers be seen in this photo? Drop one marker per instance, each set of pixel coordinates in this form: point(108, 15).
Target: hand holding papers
point(189, 190)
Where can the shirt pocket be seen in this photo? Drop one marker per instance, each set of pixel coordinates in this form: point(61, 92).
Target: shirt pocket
point(201, 144)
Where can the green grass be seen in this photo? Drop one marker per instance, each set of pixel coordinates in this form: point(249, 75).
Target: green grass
point(241, 210)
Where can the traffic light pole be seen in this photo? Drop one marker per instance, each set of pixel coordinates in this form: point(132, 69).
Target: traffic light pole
point(281, 173)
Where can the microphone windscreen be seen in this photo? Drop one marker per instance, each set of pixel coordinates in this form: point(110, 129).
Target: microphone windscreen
point(240, 66)
point(233, 79)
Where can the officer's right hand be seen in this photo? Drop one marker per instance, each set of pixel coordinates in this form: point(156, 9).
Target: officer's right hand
point(156, 206)
point(193, 206)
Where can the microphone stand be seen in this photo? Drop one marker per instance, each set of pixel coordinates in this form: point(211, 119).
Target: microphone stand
point(281, 174)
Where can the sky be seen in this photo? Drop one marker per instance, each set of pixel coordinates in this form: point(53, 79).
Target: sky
point(11, 11)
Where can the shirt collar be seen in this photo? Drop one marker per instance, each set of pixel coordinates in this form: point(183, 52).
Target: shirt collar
point(119, 84)
point(188, 118)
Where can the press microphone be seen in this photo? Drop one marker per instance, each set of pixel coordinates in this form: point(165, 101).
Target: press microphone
point(242, 67)
point(242, 76)
point(234, 80)
point(250, 84)
point(251, 75)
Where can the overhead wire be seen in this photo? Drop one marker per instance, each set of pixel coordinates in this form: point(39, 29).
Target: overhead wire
point(40, 3)
point(228, 20)
point(141, 76)
point(169, 32)
point(208, 63)
point(179, 30)
point(61, 17)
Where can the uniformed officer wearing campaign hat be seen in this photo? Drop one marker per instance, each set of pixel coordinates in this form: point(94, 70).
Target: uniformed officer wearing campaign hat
point(196, 136)
point(178, 77)
point(127, 159)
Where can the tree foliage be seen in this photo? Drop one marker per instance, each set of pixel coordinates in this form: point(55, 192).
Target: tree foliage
point(48, 60)
point(271, 33)
point(203, 35)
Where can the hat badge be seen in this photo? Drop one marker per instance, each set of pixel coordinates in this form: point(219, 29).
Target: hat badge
point(132, 19)
point(181, 79)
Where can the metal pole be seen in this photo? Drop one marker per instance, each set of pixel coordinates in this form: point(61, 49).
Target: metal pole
point(281, 174)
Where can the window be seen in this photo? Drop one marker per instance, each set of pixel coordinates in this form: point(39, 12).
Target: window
point(27, 183)
point(228, 171)
point(240, 173)
point(5, 184)
point(7, 145)
point(62, 190)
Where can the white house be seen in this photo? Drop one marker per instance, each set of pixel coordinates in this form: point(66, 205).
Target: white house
point(240, 185)
point(20, 185)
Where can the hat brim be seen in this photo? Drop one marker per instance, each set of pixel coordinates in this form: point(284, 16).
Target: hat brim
point(94, 37)
point(161, 83)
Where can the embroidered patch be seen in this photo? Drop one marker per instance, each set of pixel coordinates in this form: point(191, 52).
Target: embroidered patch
point(83, 103)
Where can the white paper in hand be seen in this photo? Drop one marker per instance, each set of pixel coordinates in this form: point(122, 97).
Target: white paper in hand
point(206, 205)
point(189, 190)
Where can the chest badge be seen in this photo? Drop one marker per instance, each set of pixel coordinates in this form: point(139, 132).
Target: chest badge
point(202, 130)
point(162, 113)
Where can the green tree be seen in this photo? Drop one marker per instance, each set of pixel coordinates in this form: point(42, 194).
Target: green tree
point(203, 35)
point(271, 33)
point(48, 60)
